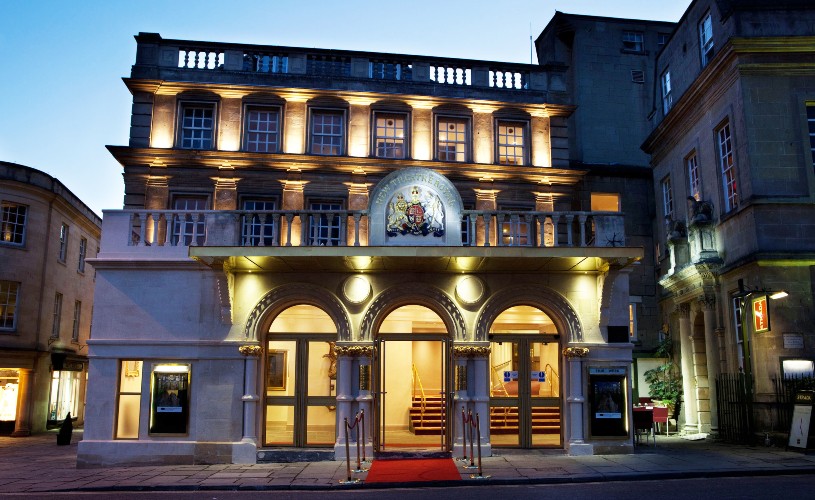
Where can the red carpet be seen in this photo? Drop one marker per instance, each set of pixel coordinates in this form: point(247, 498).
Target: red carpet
point(413, 470)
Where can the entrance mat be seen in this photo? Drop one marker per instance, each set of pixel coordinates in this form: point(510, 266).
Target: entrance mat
point(413, 470)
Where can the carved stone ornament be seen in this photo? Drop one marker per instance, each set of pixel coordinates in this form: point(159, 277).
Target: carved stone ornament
point(250, 350)
point(576, 352)
point(355, 350)
point(470, 351)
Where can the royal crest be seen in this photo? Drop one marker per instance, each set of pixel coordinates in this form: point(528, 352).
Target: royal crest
point(422, 214)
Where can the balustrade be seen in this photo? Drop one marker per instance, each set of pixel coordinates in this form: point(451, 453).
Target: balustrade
point(200, 59)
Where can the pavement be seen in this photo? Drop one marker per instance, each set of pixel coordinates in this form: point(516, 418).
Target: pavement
point(37, 464)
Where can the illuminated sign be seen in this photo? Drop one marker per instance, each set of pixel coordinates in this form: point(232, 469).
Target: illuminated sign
point(761, 314)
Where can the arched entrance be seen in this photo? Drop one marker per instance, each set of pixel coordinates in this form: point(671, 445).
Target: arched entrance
point(299, 379)
point(411, 360)
point(525, 382)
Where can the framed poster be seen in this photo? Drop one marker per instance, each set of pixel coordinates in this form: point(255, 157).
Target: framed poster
point(761, 314)
point(608, 401)
point(170, 399)
point(276, 370)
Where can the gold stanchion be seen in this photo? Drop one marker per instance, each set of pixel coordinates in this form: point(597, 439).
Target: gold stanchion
point(480, 474)
point(359, 463)
point(364, 440)
point(463, 457)
point(349, 480)
point(470, 430)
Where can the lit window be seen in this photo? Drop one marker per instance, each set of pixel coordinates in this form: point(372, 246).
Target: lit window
point(632, 321)
point(706, 39)
point(262, 129)
point(64, 396)
point(12, 224)
point(129, 401)
point(605, 202)
point(389, 135)
point(83, 250)
point(511, 143)
point(667, 97)
point(258, 228)
point(632, 40)
point(693, 176)
point(667, 199)
point(197, 126)
point(189, 224)
point(452, 138)
point(9, 295)
point(55, 326)
point(728, 168)
point(327, 132)
point(326, 227)
point(811, 124)
point(77, 320)
point(516, 228)
point(63, 242)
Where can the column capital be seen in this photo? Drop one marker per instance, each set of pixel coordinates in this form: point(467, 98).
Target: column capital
point(355, 350)
point(576, 352)
point(708, 302)
point(683, 310)
point(250, 350)
point(471, 351)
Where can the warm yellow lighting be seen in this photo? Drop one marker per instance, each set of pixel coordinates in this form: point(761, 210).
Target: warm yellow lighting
point(161, 135)
point(361, 262)
point(470, 289)
point(171, 369)
point(357, 289)
point(778, 295)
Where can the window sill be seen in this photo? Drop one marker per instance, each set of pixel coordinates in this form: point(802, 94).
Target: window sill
point(634, 52)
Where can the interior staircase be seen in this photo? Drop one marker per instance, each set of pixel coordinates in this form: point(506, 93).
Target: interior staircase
point(427, 419)
point(426, 415)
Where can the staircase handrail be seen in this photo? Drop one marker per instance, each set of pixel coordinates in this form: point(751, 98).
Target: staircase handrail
point(495, 369)
point(551, 374)
point(417, 378)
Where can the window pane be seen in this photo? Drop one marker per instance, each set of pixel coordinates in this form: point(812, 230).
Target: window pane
point(389, 136)
point(511, 143)
point(451, 142)
point(258, 229)
point(8, 304)
point(327, 132)
point(12, 223)
point(189, 227)
point(262, 130)
point(128, 421)
point(197, 126)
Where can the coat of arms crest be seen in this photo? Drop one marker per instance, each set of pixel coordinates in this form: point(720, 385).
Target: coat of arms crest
point(422, 214)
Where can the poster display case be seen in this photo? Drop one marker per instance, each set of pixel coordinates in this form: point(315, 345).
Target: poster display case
point(608, 401)
point(170, 399)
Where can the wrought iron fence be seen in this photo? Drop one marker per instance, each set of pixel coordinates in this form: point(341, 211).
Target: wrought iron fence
point(785, 390)
point(735, 403)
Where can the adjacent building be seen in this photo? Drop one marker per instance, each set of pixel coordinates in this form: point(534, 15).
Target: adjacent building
point(46, 299)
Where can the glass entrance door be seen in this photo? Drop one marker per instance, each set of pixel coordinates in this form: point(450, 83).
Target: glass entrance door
point(525, 408)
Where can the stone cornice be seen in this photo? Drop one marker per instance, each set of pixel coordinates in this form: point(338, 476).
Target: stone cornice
point(691, 280)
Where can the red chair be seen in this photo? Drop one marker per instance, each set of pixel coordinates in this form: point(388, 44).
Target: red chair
point(661, 416)
point(644, 424)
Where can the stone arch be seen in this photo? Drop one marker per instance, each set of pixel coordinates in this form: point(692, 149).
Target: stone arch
point(292, 294)
point(552, 303)
point(413, 293)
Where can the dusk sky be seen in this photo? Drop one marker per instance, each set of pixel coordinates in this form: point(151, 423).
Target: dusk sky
point(62, 99)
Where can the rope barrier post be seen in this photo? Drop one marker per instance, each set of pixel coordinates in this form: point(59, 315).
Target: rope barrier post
point(463, 436)
point(356, 427)
point(350, 480)
point(478, 432)
point(364, 440)
point(470, 430)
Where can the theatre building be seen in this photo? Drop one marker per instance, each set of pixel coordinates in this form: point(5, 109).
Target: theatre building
point(309, 234)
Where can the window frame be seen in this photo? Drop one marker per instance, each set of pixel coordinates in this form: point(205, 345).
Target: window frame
point(375, 138)
point(810, 117)
point(736, 306)
point(518, 226)
point(505, 122)
point(634, 43)
point(632, 319)
point(694, 178)
point(266, 228)
point(706, 47)
point(338, 223)
point(139, 366)
point(64, 232)
point(466, 143)
point(667, 197)
point(83, 253)
point(10, 227)
point(313, 111)
point(185, 104)
point(9, 289)
point(667, 96)
point(187, 224)
point(728, 169)
point(273, 109)
point(77, 323)
point(56, 325)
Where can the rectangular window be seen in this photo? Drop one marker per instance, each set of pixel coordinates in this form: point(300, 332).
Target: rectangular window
point(12, 223)
point(129, 399)
point(667, 199)
point(694, 183)
point(605, 202)
point(258, 229)
point(64, 396)
point(811, 124)
point(189, 225)
point(728, 168)
point(197, 126)
point(662, 39)
point(452, 138)
point(738, 304)
point(77, 320)
point(327, 135)
point(516, 229)
point(326, 227)
point(55, 326)
point(511, 143)
point(632, 40)
point(667, 97)
point(9, 295)
point(63, 242)
point(706, 39)
point(390, 135)
point(632, 321)
point(83, 250)
point(262, 129)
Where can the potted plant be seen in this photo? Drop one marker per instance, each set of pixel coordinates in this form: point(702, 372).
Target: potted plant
point(665, 381)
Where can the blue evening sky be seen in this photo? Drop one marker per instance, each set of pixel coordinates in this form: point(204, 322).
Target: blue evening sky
point(62, 99)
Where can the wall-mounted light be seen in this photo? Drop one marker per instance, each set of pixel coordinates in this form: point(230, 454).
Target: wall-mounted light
point(778, 295)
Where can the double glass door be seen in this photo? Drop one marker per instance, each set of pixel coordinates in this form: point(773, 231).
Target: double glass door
point(525, 409)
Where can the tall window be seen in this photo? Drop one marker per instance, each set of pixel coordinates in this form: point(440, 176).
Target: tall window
point(632, 321)
point(189, 224)
point(738, 328)
point(197, 130)
point(9, 294)
point(695, 184)
point(390, 135)
point(77, 319)
point(706, 39)
point(511, 143)
point(12, 223)
point(258, 228)
point(452, 138)
point(83, 251)
point(327, 135)
point(129, 400)
point(728, 168)
point(516, 229)
point(262, 129)
point(811, 123)
point(667, 97)
point(325, 229)
point(63, 242)
point(667, 199)
point(55, 326)
point(633, 41)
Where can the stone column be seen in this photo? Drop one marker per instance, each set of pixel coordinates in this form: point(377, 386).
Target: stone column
point(688, 384)
point(22, 424)
point(712, 350)
point(544, 202)
point(480, 395)
point(250, 393)
point(365, 398)
point(293, 199)
point(349, 358)
point(576, 401)
point(471, 393)
point(358, 196)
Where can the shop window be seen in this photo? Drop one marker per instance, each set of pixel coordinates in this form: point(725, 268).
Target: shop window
point(706, 39)
point(9, 297)
point(12, 223)
point(258, 229)
point(55, 325)
point(727, 166)
point(390, 135)
point(633, 41)
point(170, 399)
point(63, 242)
point(511, 143)
point(197, 126)
point(64, 394)
point(327, 228)
point(189, 227)
point(9, 389)
point(452, 138)
point(261, 129)
point(327, 132)
point(129, 399)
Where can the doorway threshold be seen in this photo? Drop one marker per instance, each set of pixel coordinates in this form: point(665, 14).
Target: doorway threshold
point(290, 455)
point(402, 453)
